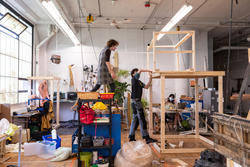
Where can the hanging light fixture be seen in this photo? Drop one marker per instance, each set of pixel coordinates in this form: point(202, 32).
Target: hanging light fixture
point(60, 20)
point(177, 17)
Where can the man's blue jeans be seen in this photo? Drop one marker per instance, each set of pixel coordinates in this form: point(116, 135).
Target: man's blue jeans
point(138, 118)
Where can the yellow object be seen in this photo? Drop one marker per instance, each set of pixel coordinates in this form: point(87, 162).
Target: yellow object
point(71, 76)
point(12, 129)
point(99, 106)
point(90, 19)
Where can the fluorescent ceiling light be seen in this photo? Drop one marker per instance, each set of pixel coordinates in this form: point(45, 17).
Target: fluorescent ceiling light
point(12, 24)
point(177, 17)
point(58, 18)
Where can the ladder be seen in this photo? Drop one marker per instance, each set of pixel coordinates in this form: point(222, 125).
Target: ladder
point(243, 85)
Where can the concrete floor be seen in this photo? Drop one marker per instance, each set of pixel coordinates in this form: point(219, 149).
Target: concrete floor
point(169, 160)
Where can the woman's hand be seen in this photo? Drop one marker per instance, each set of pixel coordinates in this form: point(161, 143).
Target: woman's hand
point(113, 75)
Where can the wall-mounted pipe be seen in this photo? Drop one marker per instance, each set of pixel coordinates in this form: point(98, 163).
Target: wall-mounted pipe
point(53, 31)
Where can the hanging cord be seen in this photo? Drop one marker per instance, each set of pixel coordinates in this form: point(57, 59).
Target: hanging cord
point(90, 35)
point(80, 14)
point(92, 43)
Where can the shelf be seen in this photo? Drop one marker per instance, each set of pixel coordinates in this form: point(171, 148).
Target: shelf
point(97, 147)
point(95, 100)
point(108, 123)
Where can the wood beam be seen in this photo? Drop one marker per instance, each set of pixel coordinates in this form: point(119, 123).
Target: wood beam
point(186, 37)
point(173, 51)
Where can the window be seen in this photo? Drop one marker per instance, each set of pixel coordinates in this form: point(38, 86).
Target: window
point(15, 60)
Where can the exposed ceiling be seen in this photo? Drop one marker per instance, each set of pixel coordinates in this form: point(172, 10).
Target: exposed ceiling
point(206, 14)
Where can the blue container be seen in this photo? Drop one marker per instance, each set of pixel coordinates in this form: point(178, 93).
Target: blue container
point(49, 138)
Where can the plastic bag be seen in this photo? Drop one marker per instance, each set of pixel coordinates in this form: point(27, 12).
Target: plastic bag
point(62, 154)
point(12, 129)
point(134, 154)
point(4, 125)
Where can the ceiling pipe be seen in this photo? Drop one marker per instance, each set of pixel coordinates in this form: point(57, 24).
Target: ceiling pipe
point(53, 31)
point(152, 13)
point(232, 48)
point(203, 3)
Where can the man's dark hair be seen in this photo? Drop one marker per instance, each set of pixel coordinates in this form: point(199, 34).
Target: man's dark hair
point(133, 71)
point(172, 95)
point(112, 42)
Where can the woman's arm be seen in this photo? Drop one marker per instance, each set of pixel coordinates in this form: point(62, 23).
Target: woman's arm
point(110, 70)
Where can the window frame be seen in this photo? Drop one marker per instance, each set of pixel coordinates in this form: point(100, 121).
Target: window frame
point(23, 19)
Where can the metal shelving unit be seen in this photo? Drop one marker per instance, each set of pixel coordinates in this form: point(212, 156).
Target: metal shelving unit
point(109, 124)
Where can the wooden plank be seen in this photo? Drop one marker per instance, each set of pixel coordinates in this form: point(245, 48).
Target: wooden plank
point(174, 32)
point(188, 74)
point(43, 78)
point(248, 115)
point(129, 108)
point(183, 150)
point(58, 102)
point(158, 136)
point(193, 54)
point(244, 97)
point(178, 60)
point(206, 140)
point(196, 108)
point(182, 163)
point(151, 110)
point(173, 51)
point(165, 46)
point(242, 88)
point(154, 51)
point(148, 59)
point(235, 156)
point(162, 112)
point(186, 37)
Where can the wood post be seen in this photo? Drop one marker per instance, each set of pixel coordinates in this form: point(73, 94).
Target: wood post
point(220, 96)
point(196, 107)
point(151, 121)
point(57, 102)
point(148, 58)
point(154, 51)
point(193, 49)
point(162, 112)
point(178, 59)
point(129, 108)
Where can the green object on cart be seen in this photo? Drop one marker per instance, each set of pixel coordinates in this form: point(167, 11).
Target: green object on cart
point(185, 124)
point(86, 158)
point(95, 165)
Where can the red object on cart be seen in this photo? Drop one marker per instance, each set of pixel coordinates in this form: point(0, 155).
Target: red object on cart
point(87, 115)
point(106, 95)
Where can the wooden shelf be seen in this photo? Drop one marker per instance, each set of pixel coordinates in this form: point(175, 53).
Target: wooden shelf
point(187, 74)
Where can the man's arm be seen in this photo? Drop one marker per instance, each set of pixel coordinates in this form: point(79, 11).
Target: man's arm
point(149, 82)
point(144, 70)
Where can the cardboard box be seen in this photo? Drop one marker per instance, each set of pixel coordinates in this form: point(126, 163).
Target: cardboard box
point(5, 112)
point(25, 136)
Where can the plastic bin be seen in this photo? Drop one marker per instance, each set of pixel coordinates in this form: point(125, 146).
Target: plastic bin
point(49, 138)
point(106, 95)
point(98, 141)
point(86, 159)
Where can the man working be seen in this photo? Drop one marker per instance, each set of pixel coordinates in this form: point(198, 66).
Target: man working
point(138, 111)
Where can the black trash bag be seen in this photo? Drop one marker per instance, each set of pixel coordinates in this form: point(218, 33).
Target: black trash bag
point(204, 163)
point(211, 156)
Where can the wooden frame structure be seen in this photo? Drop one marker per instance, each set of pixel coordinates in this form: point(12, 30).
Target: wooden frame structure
point(163, 75)
point(51, 79)
point(176, 47)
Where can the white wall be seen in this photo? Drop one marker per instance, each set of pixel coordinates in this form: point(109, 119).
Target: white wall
point(132, 53)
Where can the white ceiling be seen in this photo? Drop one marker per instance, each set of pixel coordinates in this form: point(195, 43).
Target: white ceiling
point(205, 14)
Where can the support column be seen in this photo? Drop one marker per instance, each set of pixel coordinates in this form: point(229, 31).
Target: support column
point(196, 108)
point(162, 112)
point(220, 96)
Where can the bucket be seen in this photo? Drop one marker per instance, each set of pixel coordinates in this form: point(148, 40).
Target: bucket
point(86, 159)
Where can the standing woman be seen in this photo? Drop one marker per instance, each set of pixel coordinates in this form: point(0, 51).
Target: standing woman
point(105, 73)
